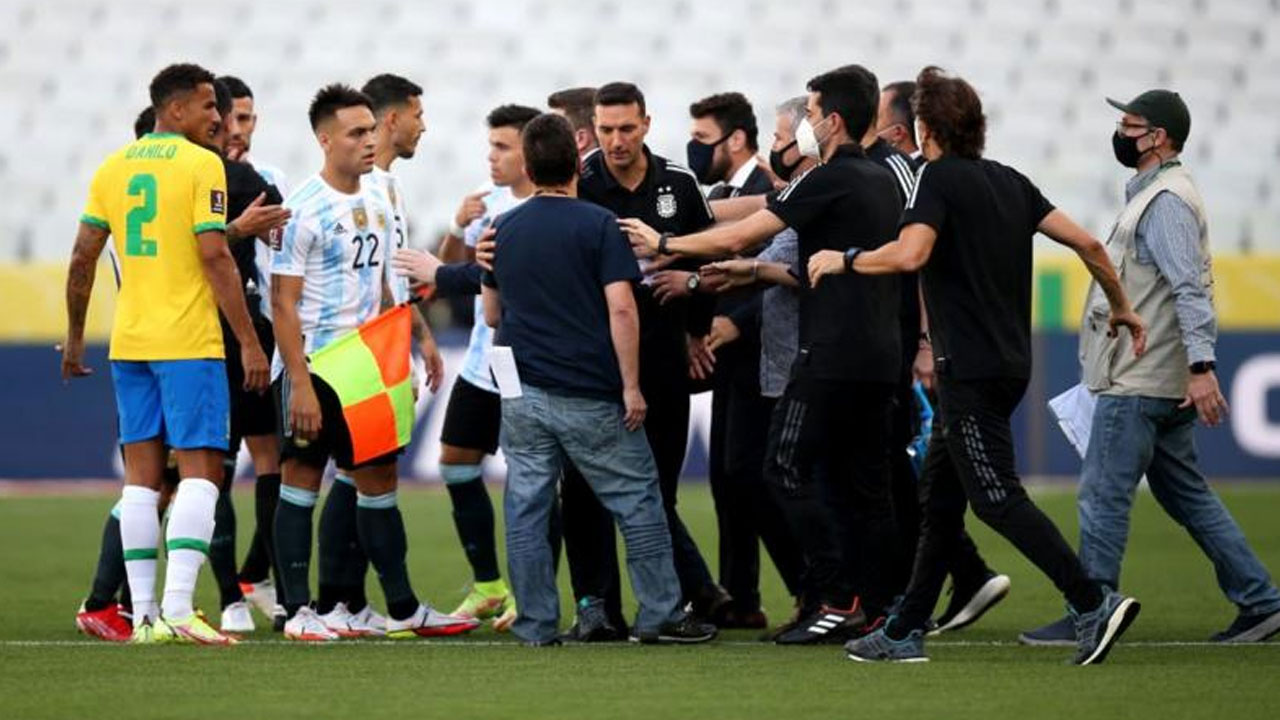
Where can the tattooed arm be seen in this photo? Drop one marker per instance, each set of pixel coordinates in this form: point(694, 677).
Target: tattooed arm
point(90, 240)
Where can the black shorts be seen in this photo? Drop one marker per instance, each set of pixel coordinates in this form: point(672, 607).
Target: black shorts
point(251, 413)
point(473, 418)
point(333, 442)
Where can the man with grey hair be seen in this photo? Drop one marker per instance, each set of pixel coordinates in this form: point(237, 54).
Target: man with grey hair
point(1147, 406)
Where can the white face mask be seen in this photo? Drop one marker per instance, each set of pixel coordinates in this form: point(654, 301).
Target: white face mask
point(807, 140)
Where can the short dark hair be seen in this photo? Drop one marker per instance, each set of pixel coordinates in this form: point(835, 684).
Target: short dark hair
point(620, 93)
point(223, 96)
point(175, 79)
point(550, 152)
point(237, 87)
point(853, 93)
point(577, 104)
point(900, 105)
point(332, 98)
point(513, 116)
point(145, 123)
point(731, 111)
point(951, 109)
point(386, 90)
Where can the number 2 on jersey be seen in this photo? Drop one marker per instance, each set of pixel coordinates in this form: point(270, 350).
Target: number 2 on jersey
point(371, 260)
point(143, 184)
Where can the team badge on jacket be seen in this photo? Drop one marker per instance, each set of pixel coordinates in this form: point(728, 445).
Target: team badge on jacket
point(666, 203)
point(361, 217)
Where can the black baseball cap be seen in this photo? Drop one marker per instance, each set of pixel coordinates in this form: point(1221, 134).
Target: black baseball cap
point(1163, 109)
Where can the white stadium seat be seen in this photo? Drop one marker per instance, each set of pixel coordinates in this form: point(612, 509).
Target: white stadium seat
point(76, 71)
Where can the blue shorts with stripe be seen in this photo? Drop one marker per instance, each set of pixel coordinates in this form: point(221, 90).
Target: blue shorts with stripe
point(185, 402)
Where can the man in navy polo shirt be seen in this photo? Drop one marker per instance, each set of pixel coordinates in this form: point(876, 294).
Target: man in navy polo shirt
point(560, 294)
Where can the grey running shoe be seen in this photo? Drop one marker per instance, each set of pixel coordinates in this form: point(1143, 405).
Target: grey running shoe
point(592, 623)
point(1098, 630)
point(879, 647)
point(1060, 632)
point(1250, 628)
point(969, 604)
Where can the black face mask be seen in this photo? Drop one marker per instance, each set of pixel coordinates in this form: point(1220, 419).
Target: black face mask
point(701, 157)
point(1126, 148)
point(780, 168)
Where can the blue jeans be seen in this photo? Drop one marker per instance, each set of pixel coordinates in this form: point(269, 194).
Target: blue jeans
point(1133, 436)
point(540, 430)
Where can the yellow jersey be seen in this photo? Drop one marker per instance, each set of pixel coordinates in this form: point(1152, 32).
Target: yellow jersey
point(154, 196)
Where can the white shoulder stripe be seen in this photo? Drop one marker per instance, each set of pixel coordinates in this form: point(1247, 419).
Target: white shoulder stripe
point(696, 184)
point(898, 166)
point(919, 179)
point(794, 184)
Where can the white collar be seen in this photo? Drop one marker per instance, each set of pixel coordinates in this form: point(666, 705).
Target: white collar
point(739, 178)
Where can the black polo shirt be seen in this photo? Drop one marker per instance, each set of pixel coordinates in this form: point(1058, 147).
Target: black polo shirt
point(244, 184)
point(849, 323)
point(668, 199)
point(977, 283)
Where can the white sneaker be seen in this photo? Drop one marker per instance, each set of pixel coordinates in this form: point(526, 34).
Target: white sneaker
point(369, 623)
point(426, 622)
point(261, 594)
point(236, 618)
point(339, 620)
point(306, 626)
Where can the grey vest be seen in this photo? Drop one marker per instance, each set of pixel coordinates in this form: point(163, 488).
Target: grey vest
point(1108, 364)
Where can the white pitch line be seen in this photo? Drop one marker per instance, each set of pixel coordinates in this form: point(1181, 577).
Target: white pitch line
point(729, 643)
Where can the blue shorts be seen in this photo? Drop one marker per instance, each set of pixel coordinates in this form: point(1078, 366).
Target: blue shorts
point(184, 401)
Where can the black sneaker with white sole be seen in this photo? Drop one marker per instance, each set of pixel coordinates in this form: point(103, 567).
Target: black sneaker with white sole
point(688, 630)
point(827, 625)
point(969, 604)
point(1098, 630)
point(1250, 628)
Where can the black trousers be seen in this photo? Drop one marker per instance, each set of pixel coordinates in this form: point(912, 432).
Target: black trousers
point(590, 543)
point(967, 568)
point(842, 518)
point(746, 512)
point(971, 462)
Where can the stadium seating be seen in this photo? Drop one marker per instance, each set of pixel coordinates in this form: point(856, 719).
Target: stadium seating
point(73, 75)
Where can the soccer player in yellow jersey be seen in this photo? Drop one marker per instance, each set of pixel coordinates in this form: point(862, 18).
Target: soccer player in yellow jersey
point(163, 201)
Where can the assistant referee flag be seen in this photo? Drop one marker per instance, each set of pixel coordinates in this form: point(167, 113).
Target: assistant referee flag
point(368, 368)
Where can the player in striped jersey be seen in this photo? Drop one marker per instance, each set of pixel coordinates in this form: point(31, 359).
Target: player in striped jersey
point(342, 604)
point(329, 277)
point(473, 415)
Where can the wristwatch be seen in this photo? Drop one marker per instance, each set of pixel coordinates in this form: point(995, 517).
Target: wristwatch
point(849, 256)
point(662, 243)
point(1202, 367)
point(693, 282)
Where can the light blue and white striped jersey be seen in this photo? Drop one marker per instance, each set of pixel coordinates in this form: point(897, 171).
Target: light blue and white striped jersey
point(339, 244)
point(262, 257)
point(475, 365)
point(389, 185)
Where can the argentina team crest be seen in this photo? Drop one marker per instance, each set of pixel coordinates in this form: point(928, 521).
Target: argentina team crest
point(666, 203)
point(361, 217)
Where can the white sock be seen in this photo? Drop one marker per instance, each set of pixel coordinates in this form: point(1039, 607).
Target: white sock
point(187, 539)
point(140, 537)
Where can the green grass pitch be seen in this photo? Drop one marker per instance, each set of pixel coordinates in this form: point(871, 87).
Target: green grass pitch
point(1162, 670)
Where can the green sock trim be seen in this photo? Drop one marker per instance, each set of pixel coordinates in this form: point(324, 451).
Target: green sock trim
point(187, 544)
point(141, 554)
